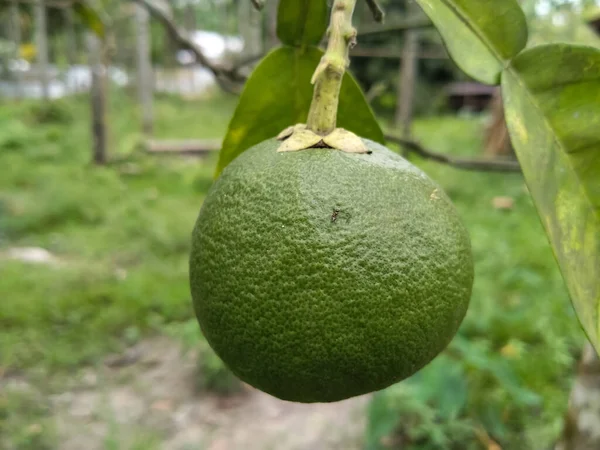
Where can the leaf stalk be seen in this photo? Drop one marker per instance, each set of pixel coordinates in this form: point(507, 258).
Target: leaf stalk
point(327, 79)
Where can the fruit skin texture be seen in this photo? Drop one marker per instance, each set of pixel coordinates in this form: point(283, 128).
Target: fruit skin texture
point(320, 275)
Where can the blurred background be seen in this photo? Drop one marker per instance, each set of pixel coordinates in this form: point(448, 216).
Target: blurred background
point(107, 149)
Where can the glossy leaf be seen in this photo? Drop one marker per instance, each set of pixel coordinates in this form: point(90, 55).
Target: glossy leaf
point(90, 17)
point(552, 101)
point(482, 36)
point(301, 22)
point(278, 95)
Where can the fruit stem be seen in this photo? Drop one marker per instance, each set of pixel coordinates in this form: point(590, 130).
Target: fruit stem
point(327, 79)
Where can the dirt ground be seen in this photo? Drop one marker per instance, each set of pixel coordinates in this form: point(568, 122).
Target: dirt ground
point(146, 399)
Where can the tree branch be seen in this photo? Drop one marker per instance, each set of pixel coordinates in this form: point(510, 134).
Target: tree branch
point(229, 79)
point(376, 10)
point(412, 23)
point(197, 147)
point(51, 4)
point(246, 61)
point(258, 4)
point(392, 53)
point(482, 165)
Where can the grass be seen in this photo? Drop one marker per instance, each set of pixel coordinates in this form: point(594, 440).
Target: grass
point(26, 419)
point(121, 236)
point(121, 232)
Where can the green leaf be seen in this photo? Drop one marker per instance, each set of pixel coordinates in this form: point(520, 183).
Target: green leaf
point(302, 22)
point(278, 94)
point(90, 17)
point(552, 101)
point(482, 36)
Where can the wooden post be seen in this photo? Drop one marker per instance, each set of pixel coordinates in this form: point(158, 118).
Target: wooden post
point(250, 26)
point(98, 97)
point(189, 21)
point(497, 139)
point(71, 45)
point(190, 25)
point(71, 40)
point(42, 47)
point(15, 30)
point(582, 421)
point(408, 76)
point(144, 68)
point(272, 39)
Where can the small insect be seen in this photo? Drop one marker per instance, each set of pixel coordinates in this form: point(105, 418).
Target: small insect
point(334, 216)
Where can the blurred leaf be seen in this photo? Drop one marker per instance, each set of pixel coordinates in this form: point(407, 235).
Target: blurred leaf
point(482, 36)
point(90, 17)
point(302, 22)
point(481, 358)
point(552, 101)
point(410, 412)
point(278, 94)
point(383, 416)
point(542, 30)
point(444, 384)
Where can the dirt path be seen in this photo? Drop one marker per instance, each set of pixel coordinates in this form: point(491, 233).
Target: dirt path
point(146, 400)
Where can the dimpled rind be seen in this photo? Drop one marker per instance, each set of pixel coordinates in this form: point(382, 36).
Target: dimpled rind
point(320, 275)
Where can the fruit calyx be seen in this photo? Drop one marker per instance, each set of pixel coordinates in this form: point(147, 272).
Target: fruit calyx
point(299, 137)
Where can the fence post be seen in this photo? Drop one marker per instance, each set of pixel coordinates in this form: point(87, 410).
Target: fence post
point(250, 28)
point(144, 68)
point(71, 46)
point(42, 47)
point(15, 36)
point(272, 39)
point(408, 76)
point(97, 97)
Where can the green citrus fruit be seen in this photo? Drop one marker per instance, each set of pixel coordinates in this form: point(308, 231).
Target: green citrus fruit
point(319, 275)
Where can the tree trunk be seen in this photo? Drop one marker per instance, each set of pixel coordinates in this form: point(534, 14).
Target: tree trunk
point(42, 47)
point(250, 26)
point(189, 21)
point(71, 44)
point(582, 422)
point(144, 68)
point(190, 25)
point(408, 76)
point(271, 12)
point(497, 139)
point(71, 39)
point(98, 98)
point(15, 31)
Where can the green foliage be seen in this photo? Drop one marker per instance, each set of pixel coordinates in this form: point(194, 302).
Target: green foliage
point(25, 422)
point(555, 133)
point(213, 375)
point(508, 373)
point(91, 17)
point(481, 35)
point(123, 266)
point(120, 233)
point(414, 412)
point(51, 112)
point(301, 23)
point(544, 30)
point(263, 113)
point(552, 102)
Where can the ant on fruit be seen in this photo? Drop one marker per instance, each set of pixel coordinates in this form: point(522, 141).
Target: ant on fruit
point(334, 216)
